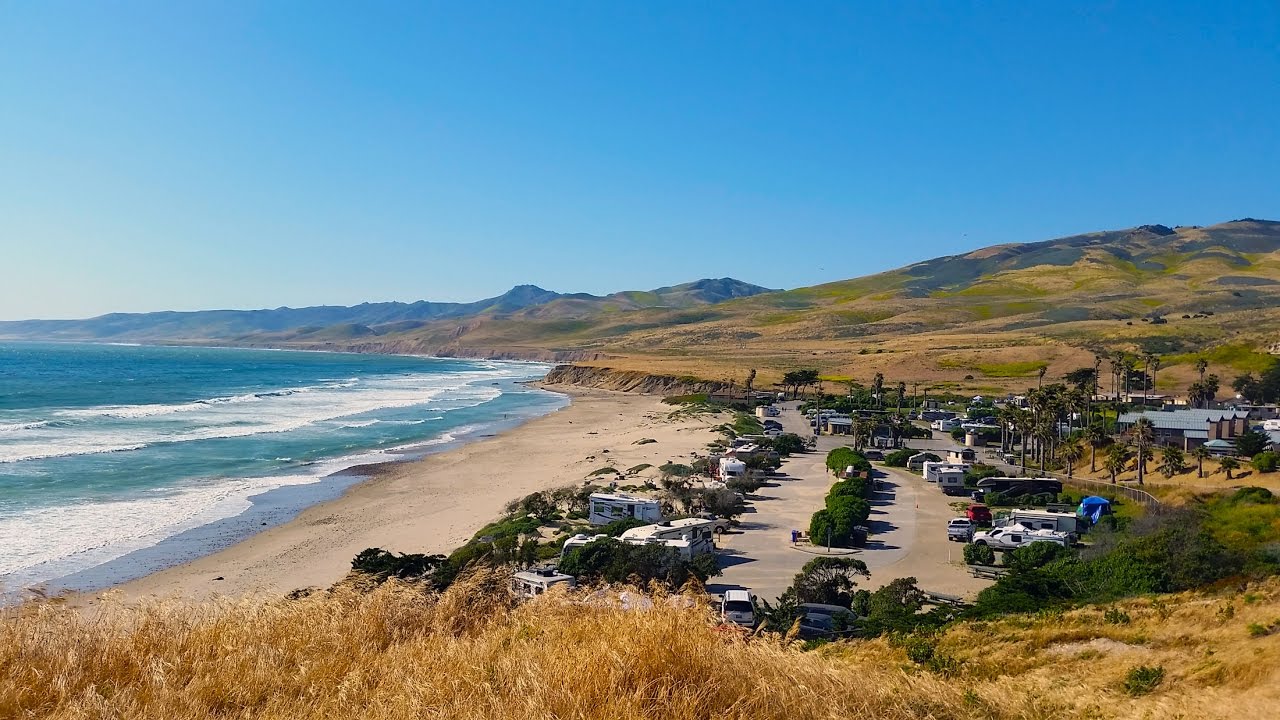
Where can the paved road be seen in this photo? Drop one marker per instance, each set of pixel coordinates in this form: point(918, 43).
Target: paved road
point(908, 522)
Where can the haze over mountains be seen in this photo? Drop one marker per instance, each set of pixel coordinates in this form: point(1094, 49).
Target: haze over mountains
point(366, 319)
point(990, 315)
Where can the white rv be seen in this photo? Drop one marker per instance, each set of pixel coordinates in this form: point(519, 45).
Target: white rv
point(1044, 520)
point(1016, 536)
point(950, 480)
point(690, 536)
point(578, 541)
point(931, 468)
point(607, 507)
point(532, 583)
point(732, 467)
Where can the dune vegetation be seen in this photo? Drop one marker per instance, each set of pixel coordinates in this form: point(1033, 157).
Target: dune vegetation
point(400, 651)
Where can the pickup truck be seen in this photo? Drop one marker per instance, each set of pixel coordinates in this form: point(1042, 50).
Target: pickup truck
point(718, 524)
point(1016, 536)
point(960, 529)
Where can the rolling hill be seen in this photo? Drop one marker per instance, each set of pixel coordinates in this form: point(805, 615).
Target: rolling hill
point(985, 320)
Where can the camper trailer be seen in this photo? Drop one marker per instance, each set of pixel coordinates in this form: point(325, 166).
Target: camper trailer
point(690, 536)
point(951, 480)
point(731, 467)
point(607, 507)
point(532, 583)
point(931, 468)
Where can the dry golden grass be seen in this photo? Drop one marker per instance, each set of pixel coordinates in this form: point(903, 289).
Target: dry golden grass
point(398, 653)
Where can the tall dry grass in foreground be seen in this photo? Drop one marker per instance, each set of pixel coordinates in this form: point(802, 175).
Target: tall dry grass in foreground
point(397, 653)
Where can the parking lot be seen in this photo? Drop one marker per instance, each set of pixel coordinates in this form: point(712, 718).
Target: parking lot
point(908, 524)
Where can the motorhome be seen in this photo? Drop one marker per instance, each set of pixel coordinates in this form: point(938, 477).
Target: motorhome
point(532, 583)
point(690, 536)
point(946, 425)
point(607, 507)
point(1020, 486)
point(962, 456)
point(1045, 520)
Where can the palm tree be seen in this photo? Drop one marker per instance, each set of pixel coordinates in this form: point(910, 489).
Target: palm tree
point(877, 386)
point(1172, 461)
point(1040, 379)
point(1201, 366)
point(751, 381)
point(1096, 436)
point(1117, 460)
point(1025, 423)
point(1155, 367)
point(1071, 453)
point(1143, 435)
point(1115, 374)
point(1228, 464)
point(902, 394)
point(1200, 453)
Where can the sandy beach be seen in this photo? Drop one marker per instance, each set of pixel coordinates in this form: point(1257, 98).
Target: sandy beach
point(437, 503)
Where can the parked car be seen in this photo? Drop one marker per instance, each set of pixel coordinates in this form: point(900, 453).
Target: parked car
point(819, 621)
point(738, 607)
point(960, 529)
point(979, 514)
point(873, 454)
point(1016, 536)
point(719, 525)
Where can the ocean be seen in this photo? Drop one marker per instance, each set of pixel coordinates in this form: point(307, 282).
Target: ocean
point(117, 461)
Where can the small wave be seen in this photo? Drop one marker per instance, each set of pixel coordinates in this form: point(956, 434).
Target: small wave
point(40, 451)
point(17, 427)
point(363, 424)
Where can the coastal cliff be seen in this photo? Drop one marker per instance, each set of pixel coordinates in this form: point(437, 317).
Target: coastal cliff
point(630, 381)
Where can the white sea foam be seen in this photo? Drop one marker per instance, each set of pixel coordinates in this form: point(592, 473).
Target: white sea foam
point(46, 543)
point(122, 428)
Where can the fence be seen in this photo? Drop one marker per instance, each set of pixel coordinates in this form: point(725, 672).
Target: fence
point(1105, 488)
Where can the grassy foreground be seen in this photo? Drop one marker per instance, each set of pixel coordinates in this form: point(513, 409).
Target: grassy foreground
point(396, 652)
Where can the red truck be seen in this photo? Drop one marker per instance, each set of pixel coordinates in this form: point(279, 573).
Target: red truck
point(979, 514)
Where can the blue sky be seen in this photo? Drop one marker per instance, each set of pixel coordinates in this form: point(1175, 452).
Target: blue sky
point(199, 155)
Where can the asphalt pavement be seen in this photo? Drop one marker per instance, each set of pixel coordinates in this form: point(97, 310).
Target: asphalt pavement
point(908, 525)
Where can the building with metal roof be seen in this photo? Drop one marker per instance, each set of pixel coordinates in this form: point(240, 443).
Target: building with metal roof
point(1190, 428)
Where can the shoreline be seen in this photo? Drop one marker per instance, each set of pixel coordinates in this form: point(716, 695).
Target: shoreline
point(434, 503)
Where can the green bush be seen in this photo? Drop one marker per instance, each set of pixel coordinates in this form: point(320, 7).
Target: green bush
point(1116, 617)
point(617, 527)
point(829, 580)
point(843, 457)
point(613, 561)
point(1141, 680)
point(1265, 462)
point(852, 487)
point(899, 458)
point(979, 555)
point(788, 444)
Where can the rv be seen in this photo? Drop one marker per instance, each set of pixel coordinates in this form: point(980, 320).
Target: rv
point(1020, 486)
point(606, 507)
point(946, 425)
point(578, 541)
point(931, 468)
point(951, 480)
point(1010, 537)
point(532, 583)
point(731, 468)
point(690, 536)
point(1044, 520)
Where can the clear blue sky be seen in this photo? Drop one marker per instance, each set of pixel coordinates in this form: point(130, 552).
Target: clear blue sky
point(197, 155)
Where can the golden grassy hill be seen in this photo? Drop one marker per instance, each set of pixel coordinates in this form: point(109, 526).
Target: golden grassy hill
point(996, 314)
point(400, 653)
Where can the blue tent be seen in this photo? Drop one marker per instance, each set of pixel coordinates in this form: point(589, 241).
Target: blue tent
point(1093, 508)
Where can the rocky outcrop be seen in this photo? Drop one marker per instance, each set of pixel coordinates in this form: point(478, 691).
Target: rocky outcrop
point(630, 381)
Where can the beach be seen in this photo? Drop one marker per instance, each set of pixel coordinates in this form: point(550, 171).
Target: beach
point(436, 503)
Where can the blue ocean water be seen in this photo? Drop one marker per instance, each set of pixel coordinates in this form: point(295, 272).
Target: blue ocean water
point(108, 450)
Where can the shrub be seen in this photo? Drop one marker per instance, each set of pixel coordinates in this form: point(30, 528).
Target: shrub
point(829, 580)
point(788, 444)
point(614, 561)
point(843, 457)
point(1265, 462)
point(852, 487)
point(1142, 679)
point(381, 564)
point(979, 554)
point(617, 527)
point(1115, 616)
point(676, 470)
point(1036, 555)
point(899, 458)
